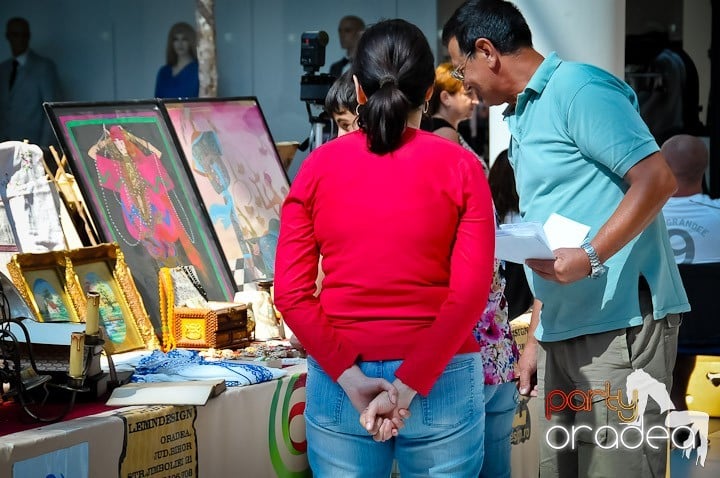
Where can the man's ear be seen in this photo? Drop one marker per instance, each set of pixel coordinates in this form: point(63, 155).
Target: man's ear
point(359, 93)
point(485, 49)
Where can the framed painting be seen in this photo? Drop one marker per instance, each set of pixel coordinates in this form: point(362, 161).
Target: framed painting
point(231, 155)
point(139, 194)
point(41, 280)
point(102, 269)
point(8, 243)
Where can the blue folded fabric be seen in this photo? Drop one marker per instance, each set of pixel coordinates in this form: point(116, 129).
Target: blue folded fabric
point(183, 365)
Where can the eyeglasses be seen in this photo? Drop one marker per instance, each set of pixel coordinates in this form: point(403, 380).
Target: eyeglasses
point(459, 72)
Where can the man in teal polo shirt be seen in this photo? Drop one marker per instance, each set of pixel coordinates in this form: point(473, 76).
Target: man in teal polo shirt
point(610, 307)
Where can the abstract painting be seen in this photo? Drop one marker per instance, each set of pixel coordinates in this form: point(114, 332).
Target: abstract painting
point(231, 155)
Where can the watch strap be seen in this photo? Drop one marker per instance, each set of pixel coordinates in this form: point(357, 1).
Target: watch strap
point(596, 267)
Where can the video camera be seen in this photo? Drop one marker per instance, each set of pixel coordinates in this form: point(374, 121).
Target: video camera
point(314, 87)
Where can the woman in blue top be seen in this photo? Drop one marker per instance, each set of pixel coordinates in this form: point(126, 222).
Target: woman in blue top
point(178, 78)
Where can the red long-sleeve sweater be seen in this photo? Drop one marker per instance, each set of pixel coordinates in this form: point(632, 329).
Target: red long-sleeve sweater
point(407, 242)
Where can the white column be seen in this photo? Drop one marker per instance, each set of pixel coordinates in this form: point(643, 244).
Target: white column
point(589, 31)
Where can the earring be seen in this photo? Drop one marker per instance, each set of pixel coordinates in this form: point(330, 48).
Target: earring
point(357, 110)
point(426, 106)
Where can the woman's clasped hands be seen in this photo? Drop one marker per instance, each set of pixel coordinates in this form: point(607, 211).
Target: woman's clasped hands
point(383, 406)
point(385, 416)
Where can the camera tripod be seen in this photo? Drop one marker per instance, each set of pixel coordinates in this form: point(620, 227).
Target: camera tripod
point(319, 124)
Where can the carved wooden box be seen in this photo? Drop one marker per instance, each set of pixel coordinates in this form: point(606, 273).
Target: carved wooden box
point(221, 325)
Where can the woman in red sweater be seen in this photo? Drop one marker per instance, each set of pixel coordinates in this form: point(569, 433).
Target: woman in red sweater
point(404, 222)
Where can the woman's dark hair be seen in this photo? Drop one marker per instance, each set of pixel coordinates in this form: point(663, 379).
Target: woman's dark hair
point(395, 67)
point(185, 29)
point(502, 186)
point(497, 20)
point(341, 95)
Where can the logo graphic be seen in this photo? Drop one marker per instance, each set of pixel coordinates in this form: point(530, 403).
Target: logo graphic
point(286, 436)
point(631, 434)
point(695, 422)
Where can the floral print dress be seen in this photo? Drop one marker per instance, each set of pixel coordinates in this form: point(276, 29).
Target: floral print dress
point(497, 346)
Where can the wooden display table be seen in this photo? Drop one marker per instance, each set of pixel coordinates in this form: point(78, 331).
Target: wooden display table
point(254, 431)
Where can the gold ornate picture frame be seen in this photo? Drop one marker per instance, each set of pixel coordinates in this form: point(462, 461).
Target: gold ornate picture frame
point(55, 286)
point(41, 280)
point(102, 269)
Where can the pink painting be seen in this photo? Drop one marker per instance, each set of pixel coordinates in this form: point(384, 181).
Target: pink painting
point(232, 158)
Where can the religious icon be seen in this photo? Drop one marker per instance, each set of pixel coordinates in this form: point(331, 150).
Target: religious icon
point(49, 302)
point(131, 168)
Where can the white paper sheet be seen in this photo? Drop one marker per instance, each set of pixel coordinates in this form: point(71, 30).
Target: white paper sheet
point(521, 241)
point(564, 232)
point(518, 242)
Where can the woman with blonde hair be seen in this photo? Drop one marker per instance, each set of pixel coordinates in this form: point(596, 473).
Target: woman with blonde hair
point(450, 103)
point(178, 78)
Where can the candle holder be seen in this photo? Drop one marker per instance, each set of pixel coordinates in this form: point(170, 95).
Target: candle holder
point(24, 381)
point(94, 340)
point(92, 347)
point(76, 384)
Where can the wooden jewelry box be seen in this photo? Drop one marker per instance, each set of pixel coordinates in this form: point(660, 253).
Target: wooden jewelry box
point(220, 325)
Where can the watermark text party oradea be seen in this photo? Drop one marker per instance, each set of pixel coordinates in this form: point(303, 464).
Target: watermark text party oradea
point(685, 429)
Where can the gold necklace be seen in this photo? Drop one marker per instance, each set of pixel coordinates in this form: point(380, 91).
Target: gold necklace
point(167, 309)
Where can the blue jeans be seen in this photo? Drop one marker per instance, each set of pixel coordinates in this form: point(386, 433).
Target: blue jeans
point(500, 404)
point(441, 438)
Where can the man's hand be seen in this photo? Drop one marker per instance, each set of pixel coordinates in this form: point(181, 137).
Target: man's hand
point(569, 265)
point(527, 367)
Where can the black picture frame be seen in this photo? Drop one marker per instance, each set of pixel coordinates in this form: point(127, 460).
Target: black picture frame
point(141, 198)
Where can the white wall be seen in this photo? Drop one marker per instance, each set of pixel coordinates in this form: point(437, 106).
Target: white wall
point(107, 50)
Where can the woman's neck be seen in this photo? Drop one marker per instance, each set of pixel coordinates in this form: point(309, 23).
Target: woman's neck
point(445, 115)
point(182, 62)
point(414, 118)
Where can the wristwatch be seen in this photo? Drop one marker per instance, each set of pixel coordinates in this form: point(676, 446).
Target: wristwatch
point(597, 269)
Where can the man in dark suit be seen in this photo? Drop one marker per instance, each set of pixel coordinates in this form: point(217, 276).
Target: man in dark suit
point(26, 81)
point(349, 31)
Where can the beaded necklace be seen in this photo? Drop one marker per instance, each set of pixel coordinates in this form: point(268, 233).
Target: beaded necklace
point(167, 309)
point(136, 188)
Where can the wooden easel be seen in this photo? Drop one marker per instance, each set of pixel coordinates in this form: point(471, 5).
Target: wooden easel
point(72, 197)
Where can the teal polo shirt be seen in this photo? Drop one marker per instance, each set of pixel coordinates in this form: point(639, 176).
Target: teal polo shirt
point(576, 131)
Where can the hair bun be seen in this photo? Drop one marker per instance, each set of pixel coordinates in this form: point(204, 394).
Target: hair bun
point(388, 79)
